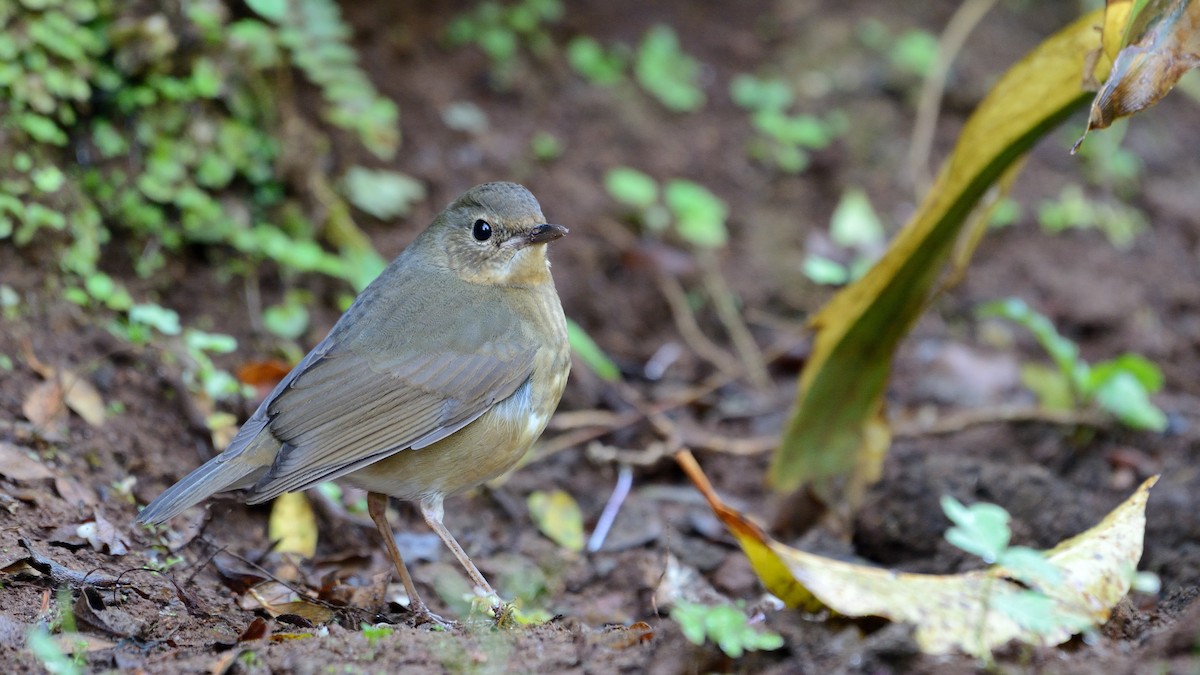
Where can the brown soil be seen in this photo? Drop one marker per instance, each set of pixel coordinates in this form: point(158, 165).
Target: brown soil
point(1055, 481)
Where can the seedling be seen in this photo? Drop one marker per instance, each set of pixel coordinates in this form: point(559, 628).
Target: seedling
point(783, 139)
point(1120, 386)
point(698, 215)
point(500, 31)
point(1074, 210)
point(982, 530)
point(913, 52)
point(668, 73)
point(600, 66)
point(724, 625)
point(857, 233)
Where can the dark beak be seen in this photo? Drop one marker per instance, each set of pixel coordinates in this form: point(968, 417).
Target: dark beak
point(545, 233)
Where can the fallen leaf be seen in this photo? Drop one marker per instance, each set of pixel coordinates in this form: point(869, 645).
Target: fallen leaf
point(558, 517)
point(17, 465)
point(963, 612)
point(61, 386)
point(45, 408)
point(102, 535)
point(77, 643)
point(293, 525)
point(74, 492)
point(278, 599)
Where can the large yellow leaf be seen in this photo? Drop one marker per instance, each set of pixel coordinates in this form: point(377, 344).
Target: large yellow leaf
point(958, 612)
point(836, 428)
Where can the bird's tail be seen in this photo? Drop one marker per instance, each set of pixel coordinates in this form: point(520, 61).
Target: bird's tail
point(226, 471)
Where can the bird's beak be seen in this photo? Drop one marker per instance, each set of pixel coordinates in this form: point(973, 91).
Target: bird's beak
point(545, 233)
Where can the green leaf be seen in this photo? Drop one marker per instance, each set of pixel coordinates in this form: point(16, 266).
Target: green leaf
point(1126, 397)
point(590, 353)
point(383, 194)
point(979, 529)
point(288, 320)
point(165, 321)
point(631, 187)
point(753, 93)
point(272, 10)
point(824, 271)
point(854, 223)
point(699, 214)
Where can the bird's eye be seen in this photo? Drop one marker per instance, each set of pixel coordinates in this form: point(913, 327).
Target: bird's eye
point(482, 230)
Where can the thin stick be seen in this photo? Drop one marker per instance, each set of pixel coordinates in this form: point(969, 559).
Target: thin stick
point(727, 311)
point(968, 15)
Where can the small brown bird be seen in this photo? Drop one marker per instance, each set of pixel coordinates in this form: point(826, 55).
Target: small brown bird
point(439, 377)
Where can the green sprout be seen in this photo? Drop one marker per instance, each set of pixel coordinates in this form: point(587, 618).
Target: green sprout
point(783, 139)
point(668, 73)
point(724, 625)
point(1121, 386)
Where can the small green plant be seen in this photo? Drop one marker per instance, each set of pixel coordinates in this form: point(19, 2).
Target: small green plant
point(1072, 209)
point(698, 215)
point(46, 650)
point(546, 147)
point(1120, 386)
point(724, 625)
point(856, 230)
point(140, 135)
point(600, 66)
point(782, 139)
point(668, 73)
point(913, 52)
point(501, 30)
point(982, 530)
point(374, 634)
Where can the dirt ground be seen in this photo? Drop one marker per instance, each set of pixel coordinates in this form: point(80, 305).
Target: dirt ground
point(1056, 481)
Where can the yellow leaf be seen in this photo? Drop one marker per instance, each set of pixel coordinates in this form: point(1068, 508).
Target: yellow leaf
point(841, 389)
point(293, 524)
point(558, 517)
point(959, 611)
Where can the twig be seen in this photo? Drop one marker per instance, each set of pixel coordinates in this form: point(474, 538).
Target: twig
point(621, 420)
point(968, 15)
point(727, 312)
point(689, 329)
point(609, 515)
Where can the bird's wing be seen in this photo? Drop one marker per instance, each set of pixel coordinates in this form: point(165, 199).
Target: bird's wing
point(347, 406)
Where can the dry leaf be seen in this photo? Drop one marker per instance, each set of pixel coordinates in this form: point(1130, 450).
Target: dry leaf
point(1161, 42)
point(45, 408)
point(293, 525)
point(278, 599)
point(959, 611)
point(17, 465)
point(102, 535)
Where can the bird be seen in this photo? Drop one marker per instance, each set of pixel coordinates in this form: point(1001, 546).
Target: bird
point(439, 377)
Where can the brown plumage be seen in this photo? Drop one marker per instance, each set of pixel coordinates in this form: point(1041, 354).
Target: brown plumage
point(439, 377)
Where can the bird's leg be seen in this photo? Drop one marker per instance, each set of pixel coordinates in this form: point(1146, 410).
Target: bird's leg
point(431, 509)
point(377, 506)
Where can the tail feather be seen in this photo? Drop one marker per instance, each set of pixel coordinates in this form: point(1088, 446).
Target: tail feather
point(247, 458)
